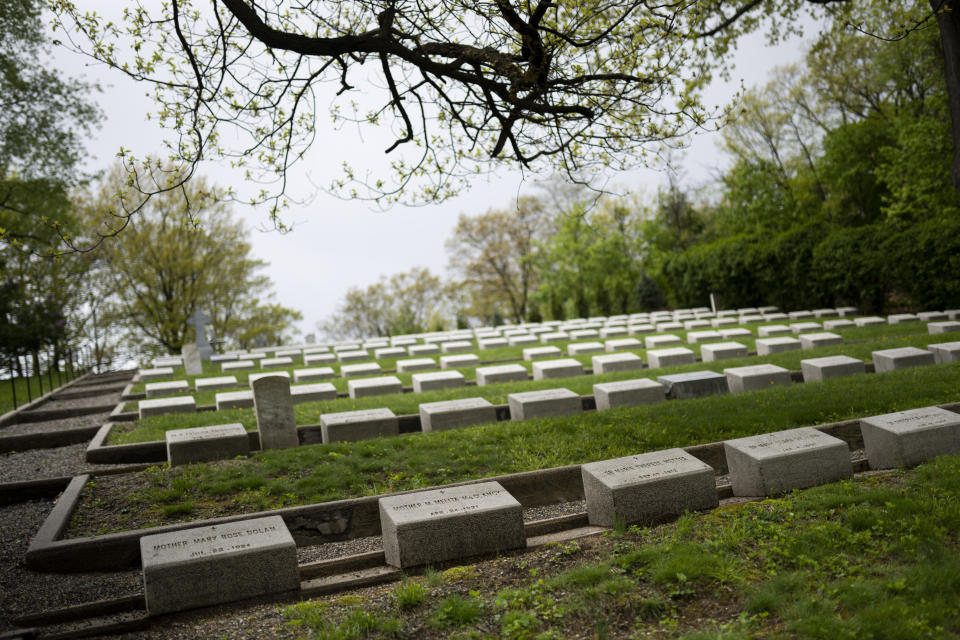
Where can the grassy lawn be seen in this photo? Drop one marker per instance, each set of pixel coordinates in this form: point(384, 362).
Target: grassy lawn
point(309, 413)
point(872, 557)
point(319, 473)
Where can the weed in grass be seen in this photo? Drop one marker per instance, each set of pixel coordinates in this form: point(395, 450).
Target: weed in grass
point(357, 624)
point(456, 574)
point(349, 600)
point(433, 577)
point(652, 609)
point(179, 509)
point(456, 611)
point(518, 625)
point(409, 594)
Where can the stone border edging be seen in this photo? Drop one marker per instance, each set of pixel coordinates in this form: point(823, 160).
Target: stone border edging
point(46, 439)
point(335, 520)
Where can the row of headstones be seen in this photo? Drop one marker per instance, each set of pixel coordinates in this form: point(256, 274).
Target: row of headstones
point(479, 333)
point(938, 323)
point(241, 559)
point(765, 345)
point(199, 444)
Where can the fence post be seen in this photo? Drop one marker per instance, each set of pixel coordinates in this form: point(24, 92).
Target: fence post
point(13, 384)
point(26, 372)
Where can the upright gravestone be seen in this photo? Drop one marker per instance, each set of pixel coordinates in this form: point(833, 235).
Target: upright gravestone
point(199, 322)
point(273, 406)
point(192, 362)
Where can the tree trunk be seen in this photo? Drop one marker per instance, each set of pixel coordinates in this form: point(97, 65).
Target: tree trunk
point(949, 22)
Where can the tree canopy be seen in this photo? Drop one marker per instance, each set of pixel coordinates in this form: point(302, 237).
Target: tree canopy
point(578, 88)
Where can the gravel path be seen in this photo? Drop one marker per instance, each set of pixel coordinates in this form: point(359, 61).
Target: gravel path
point(95, 419)
point(81, 403)
point(23, 591)
point(37, 464)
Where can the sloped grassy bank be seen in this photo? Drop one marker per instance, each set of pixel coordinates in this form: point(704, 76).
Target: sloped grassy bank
point(319, 473)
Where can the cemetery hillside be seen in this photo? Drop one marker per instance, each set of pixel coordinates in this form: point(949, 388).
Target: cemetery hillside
point(701, 408)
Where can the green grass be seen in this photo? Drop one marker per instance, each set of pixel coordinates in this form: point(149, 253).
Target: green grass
point(154, 428)
point(873, 557)
point(318, 473)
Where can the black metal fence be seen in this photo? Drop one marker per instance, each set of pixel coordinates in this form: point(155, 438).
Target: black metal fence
point(34, 374)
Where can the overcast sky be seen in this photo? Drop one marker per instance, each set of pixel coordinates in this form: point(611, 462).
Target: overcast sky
point(335, 244)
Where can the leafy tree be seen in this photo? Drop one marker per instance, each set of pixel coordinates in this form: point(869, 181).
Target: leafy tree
point(492, 255)
point(592, 263)
point(411, 302)
point(172, 259)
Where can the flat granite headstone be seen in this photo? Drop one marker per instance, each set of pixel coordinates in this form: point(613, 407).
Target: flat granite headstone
point(767, 346)
point(313, 374)
point(374, 387)
point(354, 370)
point(657, 342)
point(192, 360)
point(350, 426)
point(452, 414)
point(869, 320)
point(429, 527)
point(902, 358)
point(647, 488)
point(540, 404)
point(237, 365)
point(501, 373)
point(830, 325)
point(699, 337)
point(823, 339)
point(462, 360)
point(202, 444)
point(793, 459)
point(628, 393)
point(273, 406)
point(622, 344)
point(670, 357)
point(437, 380)
point(943, 327)
point(316, 392)
point(818, 369)
point(722, 351)
point(754, 378)
point(456, 346)
point(416, 364)
point(773, 330)
point(389, 352)
point(211, 384)
point(318, 358)
point(155, 389)
point(695, 384)
point(155, 374)
point(563, 368)
point(422, 349)
point(534, 353)
point(276, 363)
point(234, 400)
point(517, 341)
point(616, 362)
point(357, 355)
point(220, 563)
point(161, 406)
point(909, 438)
point(932, 316)
point(584, 347)
point(945, 352)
